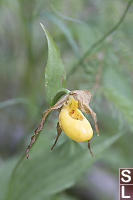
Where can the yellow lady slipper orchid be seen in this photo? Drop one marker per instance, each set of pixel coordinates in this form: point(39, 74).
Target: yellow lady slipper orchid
point(71, 119)
point(73, 122)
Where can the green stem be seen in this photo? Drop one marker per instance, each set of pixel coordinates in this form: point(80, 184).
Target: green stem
point(26, 14)
point(97, 43)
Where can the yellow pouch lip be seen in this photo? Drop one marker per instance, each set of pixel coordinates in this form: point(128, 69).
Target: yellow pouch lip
point(78, 130)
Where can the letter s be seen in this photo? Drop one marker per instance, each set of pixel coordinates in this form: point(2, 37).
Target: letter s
point(125, 173)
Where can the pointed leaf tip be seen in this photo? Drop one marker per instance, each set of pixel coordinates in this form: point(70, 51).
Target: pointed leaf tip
point(42, 26)
point(54, 71)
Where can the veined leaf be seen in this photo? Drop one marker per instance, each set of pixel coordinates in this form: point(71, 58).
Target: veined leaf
point(47, 173)
point(117, 89)
point(54, 70)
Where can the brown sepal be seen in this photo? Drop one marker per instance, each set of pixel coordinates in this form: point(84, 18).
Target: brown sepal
point(83, 97)
point(58, 105)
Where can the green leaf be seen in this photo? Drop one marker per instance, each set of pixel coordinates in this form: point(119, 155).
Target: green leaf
point(63, 197)
point(5, 172)
point(47, 173)
point(86, 35)
point(64, 29)
point(11, 102)
point(117, 90)
point(54, 70)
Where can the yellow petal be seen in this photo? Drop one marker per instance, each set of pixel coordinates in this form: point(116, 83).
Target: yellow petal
point(75, 125)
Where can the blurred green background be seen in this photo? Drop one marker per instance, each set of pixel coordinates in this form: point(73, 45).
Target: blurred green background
point(69, 172)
